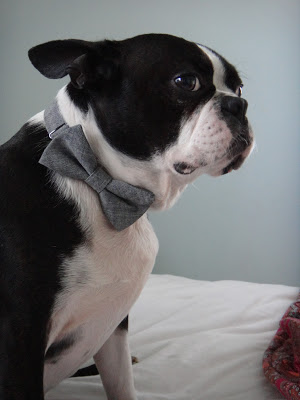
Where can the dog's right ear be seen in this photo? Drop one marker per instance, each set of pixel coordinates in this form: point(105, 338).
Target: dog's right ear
point(52, 59)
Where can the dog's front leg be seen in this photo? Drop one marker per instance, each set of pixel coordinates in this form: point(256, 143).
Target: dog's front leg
point(113, 362)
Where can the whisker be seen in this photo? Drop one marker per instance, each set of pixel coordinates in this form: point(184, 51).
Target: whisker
point(193, 184)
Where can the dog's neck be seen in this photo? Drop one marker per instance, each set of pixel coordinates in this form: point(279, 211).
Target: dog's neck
point(154, 175)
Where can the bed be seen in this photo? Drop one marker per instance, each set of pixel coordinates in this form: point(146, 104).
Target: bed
point(197, 340)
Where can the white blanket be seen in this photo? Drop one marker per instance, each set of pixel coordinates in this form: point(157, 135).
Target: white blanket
point(197, 340)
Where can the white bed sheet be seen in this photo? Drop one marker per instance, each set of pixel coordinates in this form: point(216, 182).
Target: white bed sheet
point(197, 340)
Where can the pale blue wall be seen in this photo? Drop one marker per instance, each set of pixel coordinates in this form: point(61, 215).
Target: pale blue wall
point(244, 225)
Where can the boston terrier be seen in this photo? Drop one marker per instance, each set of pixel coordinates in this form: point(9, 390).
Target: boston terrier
point(139, 120)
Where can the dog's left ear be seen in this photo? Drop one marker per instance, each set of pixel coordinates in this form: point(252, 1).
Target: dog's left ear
point(84, 61)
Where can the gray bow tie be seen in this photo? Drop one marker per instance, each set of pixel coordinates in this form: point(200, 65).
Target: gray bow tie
point(70, 155)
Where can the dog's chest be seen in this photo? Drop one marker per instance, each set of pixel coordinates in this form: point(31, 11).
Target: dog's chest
point(101, 282)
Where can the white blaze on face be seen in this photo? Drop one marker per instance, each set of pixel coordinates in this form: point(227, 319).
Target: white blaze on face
point(219, 71)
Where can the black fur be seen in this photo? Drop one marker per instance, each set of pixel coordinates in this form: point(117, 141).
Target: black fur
point(59, 347)
point(37, 229)
point(124, 324)
point(86, 371)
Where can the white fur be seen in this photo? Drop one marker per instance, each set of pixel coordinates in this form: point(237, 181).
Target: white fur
point(203, 141)
point(37, 119)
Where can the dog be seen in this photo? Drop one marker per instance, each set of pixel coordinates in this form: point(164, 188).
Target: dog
point(156, 112)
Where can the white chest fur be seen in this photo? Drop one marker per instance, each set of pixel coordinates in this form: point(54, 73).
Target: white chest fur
point(101, 281)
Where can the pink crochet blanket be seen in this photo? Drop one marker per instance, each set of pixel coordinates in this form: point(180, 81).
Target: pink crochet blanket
point(281, 363)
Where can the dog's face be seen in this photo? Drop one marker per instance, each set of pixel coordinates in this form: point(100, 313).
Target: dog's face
point(216, 137)
point(159, 101)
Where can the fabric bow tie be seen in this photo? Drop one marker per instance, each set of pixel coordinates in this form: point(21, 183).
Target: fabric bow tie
point(70, 155)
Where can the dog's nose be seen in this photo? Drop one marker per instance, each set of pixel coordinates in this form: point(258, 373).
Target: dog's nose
point(235, 106)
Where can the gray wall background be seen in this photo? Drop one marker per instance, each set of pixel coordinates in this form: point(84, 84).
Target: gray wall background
point(245, 225)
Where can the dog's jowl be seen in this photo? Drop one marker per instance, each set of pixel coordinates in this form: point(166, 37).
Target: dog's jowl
point(139, 120)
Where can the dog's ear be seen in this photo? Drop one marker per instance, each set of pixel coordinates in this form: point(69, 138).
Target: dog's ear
point(52, 58)
point(84, 61)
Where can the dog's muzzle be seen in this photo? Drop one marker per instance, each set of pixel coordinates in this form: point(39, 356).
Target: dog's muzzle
point(231, 113)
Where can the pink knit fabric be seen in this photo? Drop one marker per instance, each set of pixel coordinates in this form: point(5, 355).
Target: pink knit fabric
point(281, 363)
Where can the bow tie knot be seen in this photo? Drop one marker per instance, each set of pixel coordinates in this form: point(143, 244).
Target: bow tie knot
point(98, 179)
point(69, 154)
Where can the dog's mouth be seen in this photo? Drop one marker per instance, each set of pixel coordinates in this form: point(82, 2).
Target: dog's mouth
point(220, 167)
point(184, 168)
point(234, 164)
point(239, 158)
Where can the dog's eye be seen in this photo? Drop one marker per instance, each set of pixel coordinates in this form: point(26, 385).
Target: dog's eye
point(188, 82)
point(239, 90)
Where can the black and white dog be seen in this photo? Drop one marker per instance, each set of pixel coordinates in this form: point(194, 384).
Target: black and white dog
point(157, 112)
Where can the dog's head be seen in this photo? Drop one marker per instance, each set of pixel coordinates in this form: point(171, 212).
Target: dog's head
point(166, 110)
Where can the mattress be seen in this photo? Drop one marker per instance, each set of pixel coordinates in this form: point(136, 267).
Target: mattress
point(197, 340)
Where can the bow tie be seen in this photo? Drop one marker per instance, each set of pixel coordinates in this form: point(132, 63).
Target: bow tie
point(69, 154)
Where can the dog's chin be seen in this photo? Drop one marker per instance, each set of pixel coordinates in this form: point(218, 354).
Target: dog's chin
point(235, 164)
